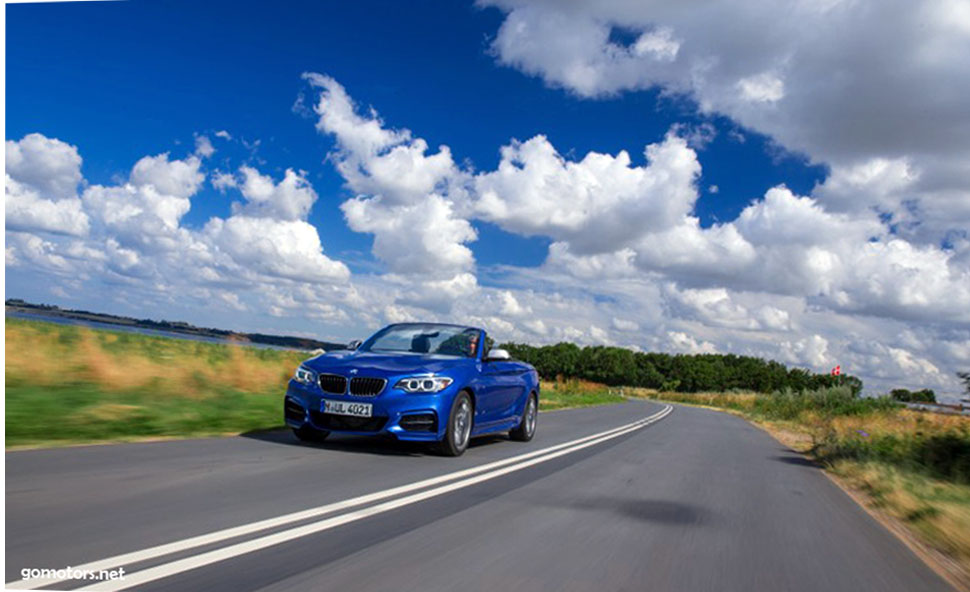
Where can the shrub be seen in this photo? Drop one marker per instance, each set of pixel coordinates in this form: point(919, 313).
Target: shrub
point(908, 396)
point(789, 404)
point(902, 395)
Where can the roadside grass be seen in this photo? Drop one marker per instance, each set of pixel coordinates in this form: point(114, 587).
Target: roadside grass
point(569, 393)
point(937, 511)
point(909, 465)
point(68, 384)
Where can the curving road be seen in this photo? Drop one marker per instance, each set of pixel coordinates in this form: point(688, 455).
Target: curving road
point(626, 497)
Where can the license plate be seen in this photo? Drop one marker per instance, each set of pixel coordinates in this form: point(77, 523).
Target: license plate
point(345, 408)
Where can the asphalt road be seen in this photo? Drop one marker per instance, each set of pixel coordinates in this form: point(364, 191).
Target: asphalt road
point(696, 500)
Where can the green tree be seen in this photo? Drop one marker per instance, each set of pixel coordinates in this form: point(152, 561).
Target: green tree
point(908, 396)
point(902, 395)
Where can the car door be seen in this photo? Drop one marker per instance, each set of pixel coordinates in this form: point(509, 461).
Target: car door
point(499, 389)
point(489, 395)
point(502, 390)
point(512, 388)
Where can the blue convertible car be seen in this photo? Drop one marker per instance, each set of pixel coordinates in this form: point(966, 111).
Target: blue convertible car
point(415, 381)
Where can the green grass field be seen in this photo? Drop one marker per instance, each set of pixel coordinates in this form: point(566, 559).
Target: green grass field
point(69, 385)
point(565, 394)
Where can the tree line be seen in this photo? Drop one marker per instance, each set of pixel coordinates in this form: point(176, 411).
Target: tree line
point(688, 373)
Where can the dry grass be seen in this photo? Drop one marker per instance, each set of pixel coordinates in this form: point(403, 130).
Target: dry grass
point(67, 384)
point(941, 511)
point(41, 354)
point(902, 422)
point(740, 401)
point(569, 393)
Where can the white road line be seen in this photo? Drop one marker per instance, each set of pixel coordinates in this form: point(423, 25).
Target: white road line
point(217, 555)
point(221, 535)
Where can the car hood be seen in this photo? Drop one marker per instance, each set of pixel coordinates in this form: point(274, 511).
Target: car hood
point(367, 363)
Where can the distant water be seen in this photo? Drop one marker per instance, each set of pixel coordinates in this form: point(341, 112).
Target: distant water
point(140, 330)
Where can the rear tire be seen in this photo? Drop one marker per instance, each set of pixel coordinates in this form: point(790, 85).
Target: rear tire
point(459, 430)
point(307, 434)
point(527, 427)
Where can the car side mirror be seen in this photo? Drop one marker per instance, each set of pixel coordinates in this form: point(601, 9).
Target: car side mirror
point(354, 344)
point(497, 355)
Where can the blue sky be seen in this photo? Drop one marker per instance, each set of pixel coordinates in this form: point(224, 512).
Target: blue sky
point(837, 233)
point(125, 79)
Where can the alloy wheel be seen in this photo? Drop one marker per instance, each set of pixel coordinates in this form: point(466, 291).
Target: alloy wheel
point(463, 424)
point(530, 417)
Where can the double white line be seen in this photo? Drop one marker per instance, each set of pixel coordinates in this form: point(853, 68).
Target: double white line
point(461, 479)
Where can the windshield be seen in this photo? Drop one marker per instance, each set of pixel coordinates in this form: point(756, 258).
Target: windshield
point(425, 339)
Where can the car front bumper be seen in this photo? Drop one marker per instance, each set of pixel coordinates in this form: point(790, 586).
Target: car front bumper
point(404, 416)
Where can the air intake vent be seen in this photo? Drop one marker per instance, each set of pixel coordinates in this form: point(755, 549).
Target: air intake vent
point(366, 387)
point(292, 410)
point(332, 383)
point(420, 422)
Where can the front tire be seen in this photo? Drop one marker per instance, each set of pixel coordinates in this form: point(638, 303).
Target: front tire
point(527, 427)
point(307, 434)
point(459, 426)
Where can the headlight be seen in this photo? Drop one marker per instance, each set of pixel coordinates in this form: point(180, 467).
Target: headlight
point(304, 375)
point(423, 384)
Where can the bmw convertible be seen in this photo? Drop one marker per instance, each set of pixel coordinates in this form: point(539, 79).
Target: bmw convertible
point(426, 382)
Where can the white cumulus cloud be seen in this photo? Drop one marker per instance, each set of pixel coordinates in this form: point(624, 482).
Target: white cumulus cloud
point(409, 200)
point(42, 178)
point(851, 84)
point(598, 204)
point(290, 199)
